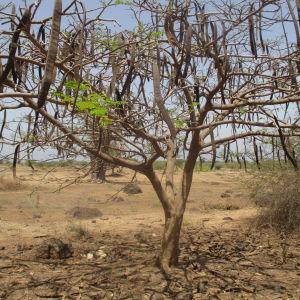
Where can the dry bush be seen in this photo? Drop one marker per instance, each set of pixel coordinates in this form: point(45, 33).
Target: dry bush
point(7, 184)
point(278, 196)
point(77, 231)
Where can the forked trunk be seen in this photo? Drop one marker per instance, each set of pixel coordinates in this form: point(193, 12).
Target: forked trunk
point(170, 242)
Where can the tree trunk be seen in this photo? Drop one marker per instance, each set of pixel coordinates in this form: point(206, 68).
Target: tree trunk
point(98, 169)
point(170, 242)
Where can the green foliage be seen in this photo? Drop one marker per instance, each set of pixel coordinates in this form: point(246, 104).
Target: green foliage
point(94, 104)
point(122, 2)
point(179, 123)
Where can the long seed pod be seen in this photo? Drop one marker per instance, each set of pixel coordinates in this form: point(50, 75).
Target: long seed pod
point(260, 31)
point(25, 20)
point(41, 33)
point(14, 167)
point(51, 55)
point(251, 34)
point(13, 17)
point(3, 124)
point(283, 144)
point(1, 71)
point(188, 47)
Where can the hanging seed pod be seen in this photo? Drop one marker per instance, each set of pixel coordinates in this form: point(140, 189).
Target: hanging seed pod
point(283, 144)
point(41, 33)
point(13, 17)
point(14, 167)
point(188, 47)
point(251, 33)
point(214, 36)
point(260, 31)
point(23, 25)
point(3, 124)
point(51, 55)
point(40, 73)
point(1, 71)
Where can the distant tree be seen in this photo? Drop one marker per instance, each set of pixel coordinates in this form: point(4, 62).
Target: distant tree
point(189, 78)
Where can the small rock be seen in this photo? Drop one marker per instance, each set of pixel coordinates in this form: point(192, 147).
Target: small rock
point(90, 256)
point(55, 249)
point(2, 248)
point(84, 212)
point(225, 195)
point(94, 221)
point(132, 188)
point(227, 219)
point(101, 253)
point(36, 216)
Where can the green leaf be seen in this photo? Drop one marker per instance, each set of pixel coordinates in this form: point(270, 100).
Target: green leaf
point(98, 112)
point(85, 105)
point(179, 123)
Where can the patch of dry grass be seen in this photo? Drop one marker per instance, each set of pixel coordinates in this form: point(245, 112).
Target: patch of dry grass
point(8, 184)
point(278, 196)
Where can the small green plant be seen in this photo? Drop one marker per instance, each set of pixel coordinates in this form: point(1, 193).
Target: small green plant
point(76, 231)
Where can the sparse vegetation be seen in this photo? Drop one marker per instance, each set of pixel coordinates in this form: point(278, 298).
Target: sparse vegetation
point(76, 230)
point(9, 184)
point(278, 196)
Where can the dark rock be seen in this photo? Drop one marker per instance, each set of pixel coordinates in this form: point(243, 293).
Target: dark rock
point(227, 219)
point(225, 195)
point(132, 189)
point(84, 212)
point(55, 249)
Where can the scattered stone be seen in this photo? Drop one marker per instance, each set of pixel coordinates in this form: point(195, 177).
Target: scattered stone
point(84, 212)
point(132, 189)
point(55, 249)
point(225, 195)
point(90, 256)
point(94, 221)
point(227, 219)
point(2, 248)
point(205, 219)
point(36, 216)
point(100, 253)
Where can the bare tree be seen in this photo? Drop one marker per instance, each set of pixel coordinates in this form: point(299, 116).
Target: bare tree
point(189, 78)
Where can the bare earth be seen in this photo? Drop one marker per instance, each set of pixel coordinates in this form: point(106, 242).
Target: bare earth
point(222, 257)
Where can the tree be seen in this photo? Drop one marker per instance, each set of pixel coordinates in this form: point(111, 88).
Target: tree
point(168, 88)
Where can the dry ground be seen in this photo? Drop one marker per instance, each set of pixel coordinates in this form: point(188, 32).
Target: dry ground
point(222, 256)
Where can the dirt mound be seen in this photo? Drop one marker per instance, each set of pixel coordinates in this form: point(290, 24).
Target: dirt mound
point(132, 189)
point(55, 249)
point(80, 212)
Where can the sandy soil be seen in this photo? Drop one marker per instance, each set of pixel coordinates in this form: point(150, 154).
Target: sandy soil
point(222, 256)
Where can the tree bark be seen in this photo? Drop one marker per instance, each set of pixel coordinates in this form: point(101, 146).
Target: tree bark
point(170, 242)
